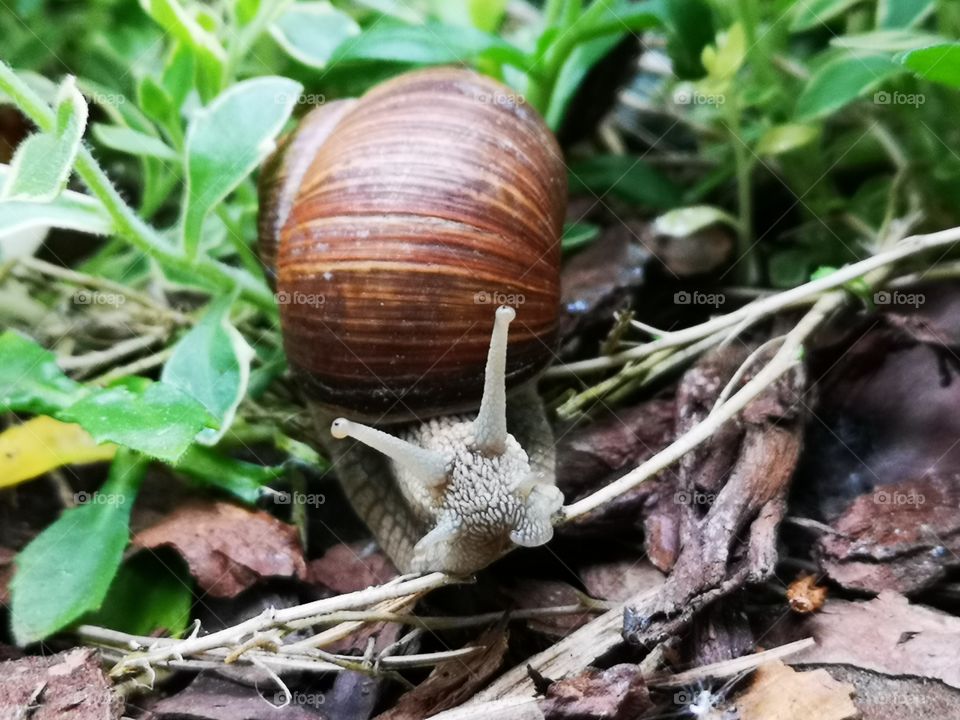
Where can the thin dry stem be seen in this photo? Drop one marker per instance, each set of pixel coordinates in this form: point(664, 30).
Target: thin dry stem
point(782, 361)
point(768, 305)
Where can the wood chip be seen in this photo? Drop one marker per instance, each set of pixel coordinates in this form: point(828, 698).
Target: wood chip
point(66, 685)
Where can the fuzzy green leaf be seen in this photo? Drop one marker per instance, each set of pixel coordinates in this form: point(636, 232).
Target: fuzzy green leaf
point(30, 379)
point(161, 422)
point(67, 569)
point(310, 32)
point(841, 81)
point(811, 14)
point(132, 142)
point(210, 55)
point(431, 44)
point(211, 363)
point(784, 138)
point(227, 140)
point(245, 481)
point(151, 592)
point(41, 167)
point(938, 63)
point(903, 13)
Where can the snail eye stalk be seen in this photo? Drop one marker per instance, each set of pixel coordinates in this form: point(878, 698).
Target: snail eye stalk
point(427, 466)
point(490, 427)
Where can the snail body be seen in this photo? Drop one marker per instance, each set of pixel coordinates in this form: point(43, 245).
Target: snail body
point(393, 227)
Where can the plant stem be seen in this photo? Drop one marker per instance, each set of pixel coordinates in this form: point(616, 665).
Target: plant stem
point(161, 650)
point(770, 304)
point(785, 358)
point(127, 223)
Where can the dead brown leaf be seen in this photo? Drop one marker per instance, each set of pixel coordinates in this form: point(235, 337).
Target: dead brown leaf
point(620, 579)
point(881, 697)
point(68, 684)
point(887, 405)
point(210, 697)
point(452, 683)
point(591, 456)
point(601, 279)
point(779, 692)
point(347, 568)
point(805, 596)
point(618, 693)
point(227, 547)
point(549, 593)
point(901, 537)
point(887, 635)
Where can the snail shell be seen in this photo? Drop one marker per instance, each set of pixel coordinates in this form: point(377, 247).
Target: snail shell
point(396, 224)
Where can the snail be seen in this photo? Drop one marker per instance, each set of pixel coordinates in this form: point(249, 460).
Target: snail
point(401, 231)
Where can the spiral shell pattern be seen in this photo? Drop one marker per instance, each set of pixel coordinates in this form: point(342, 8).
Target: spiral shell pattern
point(436, 197)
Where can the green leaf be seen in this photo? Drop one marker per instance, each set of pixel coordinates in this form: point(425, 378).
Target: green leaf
point(595, 34)
point(617, 18)
point(397, 9)
point(227, 140)
point(161, 422)
point(132, 142)
point(841, 81)
point(626, 177)
point(178, 74)
point(571, 75)
point(784, 138)
point(815, 13)
point(156, 418)
point(686, 221)
point(155, 101)
point(939, 63)
point(430, 44)
point(67, 569)
point(247, 10)
point(70, 211)
point(882, 41)
point(42, 164)
point(310, 31)
point(245, 481)
point(151, 592)
point(789, 267)
point(903, 13)
point(576, 235)
point(858, 286)
point(690, 28)
point(211, 363)
point(210, 55)
point(30, 380)
point(486, 15)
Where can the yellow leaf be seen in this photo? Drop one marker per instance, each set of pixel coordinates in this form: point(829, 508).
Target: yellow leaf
point(723, 60)
point(784, 138)
point(42, 444)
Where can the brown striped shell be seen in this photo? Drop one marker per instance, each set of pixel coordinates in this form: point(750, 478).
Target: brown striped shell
point(415, 211)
